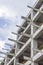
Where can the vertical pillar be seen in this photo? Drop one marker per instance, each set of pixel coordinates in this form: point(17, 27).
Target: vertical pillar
point(16, 50)
point(33, 42)
point(15, 54)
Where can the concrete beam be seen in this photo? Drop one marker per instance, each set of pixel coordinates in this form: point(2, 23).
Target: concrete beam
point(37, 15)
point(24, 47)
point(38, 56)
point(15, 33)
point(33, 24)
point(25, 18)
point(27, 58)
point(20, 27)
point(36, 50)
point(38, 32)
point(37, 10)
point(28, 26)
point(24, 34)
point(16, 41)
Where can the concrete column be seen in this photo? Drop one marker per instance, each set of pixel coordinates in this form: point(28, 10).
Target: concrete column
point(15, 61)
point(16, 50)
point(15, 54)
point(33, 42)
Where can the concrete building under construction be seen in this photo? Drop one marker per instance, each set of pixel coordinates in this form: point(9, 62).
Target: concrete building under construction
point(29, 44)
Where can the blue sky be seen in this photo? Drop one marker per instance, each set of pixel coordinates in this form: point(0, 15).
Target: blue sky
point(10, 15)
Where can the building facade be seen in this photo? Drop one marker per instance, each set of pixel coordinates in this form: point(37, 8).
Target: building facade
point(29, 43)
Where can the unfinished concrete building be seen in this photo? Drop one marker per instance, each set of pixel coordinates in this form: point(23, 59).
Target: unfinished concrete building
point(29, 43)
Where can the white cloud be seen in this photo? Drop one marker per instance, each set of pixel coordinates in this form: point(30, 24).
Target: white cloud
point(2, 44)
point(7, 13)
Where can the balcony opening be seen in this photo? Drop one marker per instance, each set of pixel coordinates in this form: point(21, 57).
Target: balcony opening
point(23, 58)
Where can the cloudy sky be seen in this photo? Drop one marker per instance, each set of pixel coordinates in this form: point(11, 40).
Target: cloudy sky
point(10, 15)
